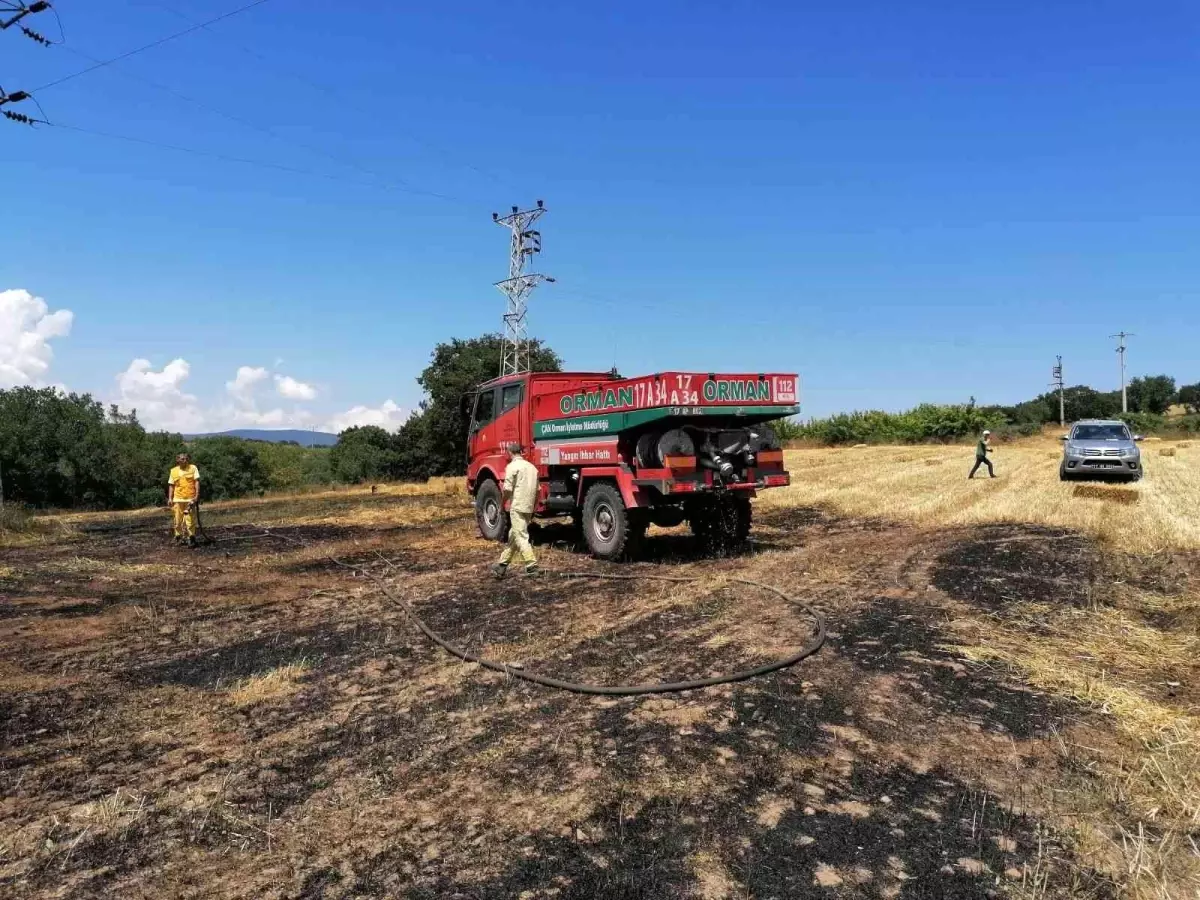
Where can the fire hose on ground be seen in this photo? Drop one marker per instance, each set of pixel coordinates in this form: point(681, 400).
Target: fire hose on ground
point(620, 690)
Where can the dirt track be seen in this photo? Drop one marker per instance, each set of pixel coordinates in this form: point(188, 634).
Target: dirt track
point(147, 751)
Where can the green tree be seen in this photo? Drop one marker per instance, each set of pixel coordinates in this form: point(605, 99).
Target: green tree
point(413, 446)
point(363, 453)
point(229, 467)
point(139, 460)
point(53, 448)
point(1084, 402)
point(1151, 394)
point(1189, 396)
point(457, 368)
point(290, 467)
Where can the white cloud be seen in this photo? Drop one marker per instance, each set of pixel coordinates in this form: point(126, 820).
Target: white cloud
point(245, 411)
point(271, 418)
point(26, 329)
point(159, 398)
point(389, 416)
point(292, 389)
point(244, 383)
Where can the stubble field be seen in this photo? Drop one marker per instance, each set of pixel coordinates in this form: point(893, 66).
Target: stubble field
point(1007, 705)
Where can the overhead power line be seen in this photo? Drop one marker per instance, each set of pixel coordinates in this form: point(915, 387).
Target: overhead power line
point(269, 131)
point(262, 164)
point(340, 95)
point(108, 62)
point(395, 183)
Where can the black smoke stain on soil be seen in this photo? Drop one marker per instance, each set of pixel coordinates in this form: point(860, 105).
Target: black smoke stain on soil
point(882, 829)
point(612, 856)
point(999, 566)
point(36, 717)
point(927, 835)
point(890, 637)
point(798, 518)
point(220, 667)
point(384, 561)
point(633, 741)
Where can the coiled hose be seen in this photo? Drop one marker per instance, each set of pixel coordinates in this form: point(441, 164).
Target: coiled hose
point(617, 690)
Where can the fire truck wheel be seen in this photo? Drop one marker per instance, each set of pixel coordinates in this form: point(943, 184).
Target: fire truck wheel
point(489, 512)
point(606, 522)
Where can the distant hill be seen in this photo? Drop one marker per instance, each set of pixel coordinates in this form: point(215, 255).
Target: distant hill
point(295, 435)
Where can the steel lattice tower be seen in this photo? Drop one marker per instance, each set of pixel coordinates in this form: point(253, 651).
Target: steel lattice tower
point(519, 285)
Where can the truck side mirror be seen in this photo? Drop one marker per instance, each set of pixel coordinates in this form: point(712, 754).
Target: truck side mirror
point(1137, 437)
point(1065, 437)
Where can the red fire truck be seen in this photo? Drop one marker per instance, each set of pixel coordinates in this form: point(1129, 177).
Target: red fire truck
point(619, 454)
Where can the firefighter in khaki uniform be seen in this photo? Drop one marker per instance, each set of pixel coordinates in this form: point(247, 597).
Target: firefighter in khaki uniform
point(521, 487)
point(183, 491)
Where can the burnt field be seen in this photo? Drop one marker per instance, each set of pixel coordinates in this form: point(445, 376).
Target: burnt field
point(1001, 710)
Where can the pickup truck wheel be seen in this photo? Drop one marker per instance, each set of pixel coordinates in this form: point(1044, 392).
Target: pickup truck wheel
point(606, 525)
point(1062, 474)
point(489, 512)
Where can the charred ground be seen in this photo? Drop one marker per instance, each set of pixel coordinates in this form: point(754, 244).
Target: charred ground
point(249, 719)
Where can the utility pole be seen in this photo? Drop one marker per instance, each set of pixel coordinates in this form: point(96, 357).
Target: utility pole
point(1057, 372)
point(1120, 336)
point(519, 284)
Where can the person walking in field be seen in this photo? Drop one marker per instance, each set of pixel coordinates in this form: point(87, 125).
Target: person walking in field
point(982, 449)
point(521, 488)
point(183, 493)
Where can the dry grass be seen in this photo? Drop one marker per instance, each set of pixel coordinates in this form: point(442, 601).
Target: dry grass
point(414, 751)
point(928, 486)
point(1136, 810)
point(278, 682)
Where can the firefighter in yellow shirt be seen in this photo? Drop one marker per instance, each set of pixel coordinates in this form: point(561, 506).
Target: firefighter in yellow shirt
point(183, 492)
point(521, 487)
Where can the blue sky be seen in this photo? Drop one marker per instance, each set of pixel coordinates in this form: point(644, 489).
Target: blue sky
point(902, 202)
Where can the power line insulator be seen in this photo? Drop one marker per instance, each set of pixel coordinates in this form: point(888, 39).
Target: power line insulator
point(37, 38)
point(23, 119)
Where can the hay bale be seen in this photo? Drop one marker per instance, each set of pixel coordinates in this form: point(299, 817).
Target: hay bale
point(1167, 451)
point(858, 447)
point(934, 462)
point(1106, 493)
point(447, 484)
point(1183, 445)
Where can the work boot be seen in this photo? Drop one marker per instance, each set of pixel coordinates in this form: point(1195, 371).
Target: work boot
point(532, 570)
point(191, 541)
point(499, 569)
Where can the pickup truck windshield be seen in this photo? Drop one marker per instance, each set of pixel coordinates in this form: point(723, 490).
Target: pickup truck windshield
point(1100, 433)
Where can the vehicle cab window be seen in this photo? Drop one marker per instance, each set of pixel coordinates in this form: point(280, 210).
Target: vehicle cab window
point(1104, 432)
point(510, 398)
point(485, 409)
